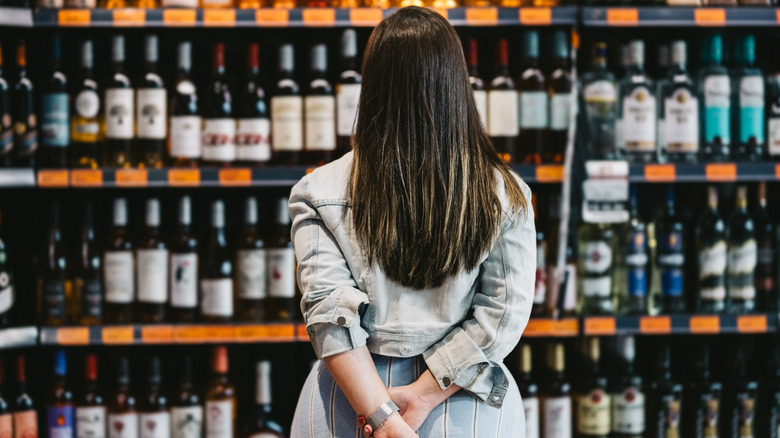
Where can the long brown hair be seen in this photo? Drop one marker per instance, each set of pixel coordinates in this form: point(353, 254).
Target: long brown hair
point(423, 188)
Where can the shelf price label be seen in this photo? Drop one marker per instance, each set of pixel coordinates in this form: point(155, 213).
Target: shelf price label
point(777, 166)
point(266, 333)
point(131, 177)
point(157, 334)
point(535, 16)
point(301, 333)
point(721, 172)
point(74, 17)
point(482, 16)
point(538, 327)
point(179, 17)
point(623, 16)
point(118, 335)
point(272, 17)
point(709, 16)
point(129, 17)
point(219, 333)
point(235, 177)
point(184, 177)
point(565, 327)
point(660, 172)
point(53, 178)
point(319, 16)
point(365, 16)
point(219, 17)
point(86, 178)
point(549, 174)
point(752, 324)
point(655, 325)
point(73, 336)
point(605, 325)
point(189, 334)
point(704, 324)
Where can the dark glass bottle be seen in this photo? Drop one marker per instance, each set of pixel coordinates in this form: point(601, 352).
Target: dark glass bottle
point(25, 410)
point(119, 107)
point(772, 108)
point(770, 401)
point(155, 418)
point(219, 125)
point(287, 112)
point(89, 273)
point(556, 397)
point(319, 110)
point(184, 267)
point(216, 275)
point(714, 102)
point(7, 291)
point(638, 109)
point(742, 404)
point(152, 268)
point(529, 391)
point(123, 406)
point(600, 95)
point(748, 103)
point(151, 110)
point(253, 131)
point(477, 84)
point(627, 392)
point(637, 258)
point(592, 399)
point(743, 254)
point(55, 113)
point(59, 406)
point(664, 416)
point(347, 93)
point(91, 406)
point(702, 398)
point(251, 284)
point(532, 86)
point(280, 268)
point(503, 121)
point(185, 123)
point(679, 110)
point(85, 125)
point(766, 266)
point(671, 257)
point(55, 284)
point(25, 121)
point(6, 120)
point(262, 423)
point(6, 415)
point(119, 269)
point(541, 283)
point(711, 245)
point(559, 88)
point(220, 399)
point(186, 406)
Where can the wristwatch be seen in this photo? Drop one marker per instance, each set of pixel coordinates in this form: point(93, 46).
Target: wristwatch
point(382, 413)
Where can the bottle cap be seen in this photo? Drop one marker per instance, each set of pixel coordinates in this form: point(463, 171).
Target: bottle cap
point(349, 43)
point(531, 44)
point(91, 367)
point(503, 52)
point(153, 212)
point(87, 60)
point(21, 372)
point(282, 211)
point(185, 210)
point(185, 55)
point(218, 214)
point(250, 210)
point(118, 52)
point(220, 359)
point(712, 50)
point(746, 50)
point(286, 58)
point(561, 44)
point(60, 363)
point(526, 364)
point(120, 212)
point(473, 53)
point(627, 348)
point(679, 53)
point(151, 50)
point(253, 56)
point(637, 52)
point(712, 197)
point(219, 55)
point(319, 58)
point(263, 383)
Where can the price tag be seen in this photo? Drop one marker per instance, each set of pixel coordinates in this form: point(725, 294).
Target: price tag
point(129, 17)
point(538, 327)
point(118, 335)
point(281, 332)
point(482, 16)
point(219, 333)
point(777, 14)
point(251, 333)
point(623, 16)
point(566, 327)
point(319, 16)
point(272, 17)
point(751, 324)
point(189, 334)
point(157, 334)
point(549, 174)
point(655, 325)
point(86, 178)
point(184, 177)
point(721, 172)
point(535, 16)
point(302, 334)
point(365, 16)
point(73, 336)
point(131, 177)
point(179, 17)
point(709, 16)
point(219, 17)
point(603, 325)
point(606, 169)
point(660, 172)
point(53, 178)
point(74, 17)
point(704, 324)
point(777, 166)
point(235, 177)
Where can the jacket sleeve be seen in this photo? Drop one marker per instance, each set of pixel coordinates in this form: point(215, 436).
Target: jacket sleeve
point(331, 302)
point(471, 354)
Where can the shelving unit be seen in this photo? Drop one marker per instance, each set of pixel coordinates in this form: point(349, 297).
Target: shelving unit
point(679, 324)
point(679, 17)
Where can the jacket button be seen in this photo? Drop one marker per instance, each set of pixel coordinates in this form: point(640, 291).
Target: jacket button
point(446, 381)
point(341, 321)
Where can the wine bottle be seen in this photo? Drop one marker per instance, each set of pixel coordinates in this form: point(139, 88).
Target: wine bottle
point(680, 126)
point(186, 408)
point(638, 109)
point(766, 266)
point(253, 132)
point(119, 269)
point(503, 126)
point(216, 276)
point(347, 93)
point(59, 408)
point(7, 291)
point(715, 105)
point(596, 265)
point(556, 398)
point(123, 409)
point(184, 267)
point(742, 403)
point(476, 81)
point(540, 284)
point(262, 423)
point(6, 121)
point(559, 88)
point(91, 407)
point(280, 258)
point(670, 256)
point(287, 111)
point(85, 131)
point(55, 284)
point(592, 399)
point(628, 398)
point(151, 110)
point(119, 110)
point(772, 116)
point(218, 142)
point(25, 121)
point(711, 245)
point(319, 109)
point(636, 258)
point(600, 95)
point(529, 391)
point(155, 418)
point(185, 131)
point(152, 270)
point(534, 102)
point(6, 415)
point(703, 399)
point(770, 406)
point(89, 280)
point(742, 256)
point(220, 399)
point(251, 284)
point(55, 113)
point(665, 410)
point(748, 102)
point(25, 413)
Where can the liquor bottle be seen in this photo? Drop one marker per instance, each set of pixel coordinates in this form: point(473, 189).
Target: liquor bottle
point(186, 408)
point(742, 404)
point(637, 109)
point(556, 398)
point(477, 84)
point(680, 111)
point(184, 267)
point(119, 269)
point(89, 274)
point(280, 268)
point(715, 103)
point(665, 411)
point(636, 258)
point(6, 121)
point(59, 406)
point(541, 282)
point(7, 291)
point(596, 264)
point(220, 399)
point(559, 87)
point(703, 398)
point(747, 90)
point(185, 125)
point(529, 391)
point(627, 393)
point(54, 281)
point(152, 267)
point(347, 93)
point(25, 122)
point(770, 402)
point(91, 407)
point(772, 117)
point(287, 112)
point(592, 400)
point(216, 271)
point(534, 110)
point(219, 127)
point(155, 419)
point(742, 257)
point(766, 266)
point(503, 122)
point(319, 110)
point(711, 245)
point(119, 110)
point(251, 284)
point(55, 113)
point(600, 95)
point(25, 413)
point(85, 123)
point(6, 415)
point(152, 110)
point(670, 257)
point(262, 423)
point(122, 408)
point(253, 132)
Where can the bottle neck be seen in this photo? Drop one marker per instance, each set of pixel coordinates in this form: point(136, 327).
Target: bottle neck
point(348, 63)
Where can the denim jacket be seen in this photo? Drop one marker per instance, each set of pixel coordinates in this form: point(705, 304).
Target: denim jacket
point(464, 329)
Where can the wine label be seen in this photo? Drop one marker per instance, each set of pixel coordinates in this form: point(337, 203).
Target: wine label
point(216, 296)
point(502, 113)
point(712, 270)
point(560, 111)
point(671, 261)
point(87, 104)
point(593, 413)
point(669, 415)
point(187, 422)
point(152, 112)
point(320, 123)
point(218, 140)
point(251, 281)
point(531, 408)
point(6, 292)
point(184, 280)
point(681, 122)
point(347, 100)
point(281, 272)
point(119, 276)
point(253, 140)
point(119, 113)
point(707, 416)
point(745, 417)
point(556, 417)
point(55, 120)
point(59, 421)
point(26, 424)
point(25, 133)
point(601, 92)
point(751, 109)
point(717, 92)
point(533, 110)
point(540, 285)
point(91, 422)
point(773, 130)
point(155, 425)
point(597, 286)
point(628, 412)
point(597, 257)
point(92, 297)
point(287, 123)
point(123, 425)
point(152, 275)
point(54, 298)
point(636, 261)
point(219, 419)
point(6, 426)
point(6, 133)
point(741, 268)
point(185, 136)
point(481, 99)
point(639, 121)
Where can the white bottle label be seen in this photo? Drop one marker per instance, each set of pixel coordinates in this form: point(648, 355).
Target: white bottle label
point(681, 122)
point(639, 120)
point(253, 140)
point(751, 92)
point(742, 259)
point(597, 287)
point(717, 90)
point(123, 426)
point(251, 266)
point(556, 417)
point(347, 100)
point(87, 104)
point(628, 412)
point(531, 407)
point(287, 123)
point(219, 419)
point(155, 425)
point(185, 136)
point(712, 260)
point(187, 422)
point(91, 422)
point(119, 113)
point(502, 113)
point(6, 297)
point(216, 296)
point(152, 275)
point(597, 256)
point(152, 112)
point(480, 99)
point(119, 276)
point(773, 131)
point(533, 110)
point(593, 413)
point(281, 272)
point(540, 286)
point(320, 123)
point(601, 92)
point(218, 140)
point(184, 280)
point(560, 111)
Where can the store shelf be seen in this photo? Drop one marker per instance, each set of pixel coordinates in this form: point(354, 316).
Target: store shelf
point(679, 324)
point(554, 328)
point(16, 17)
point(713, 172)
point(305, 17)
point(680, 16)
point(18, 337)
point(162, 334)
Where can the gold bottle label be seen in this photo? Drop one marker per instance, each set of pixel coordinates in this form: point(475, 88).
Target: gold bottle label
point(593, 413)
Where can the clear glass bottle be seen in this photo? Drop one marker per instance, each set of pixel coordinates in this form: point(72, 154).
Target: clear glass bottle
point(600, 95)
point(714, 102)
point(742, 257)
point(637, 109)
point(679, 111)
point(747, 103)
point(86, 124)
point(597, 242)
point(711, 246)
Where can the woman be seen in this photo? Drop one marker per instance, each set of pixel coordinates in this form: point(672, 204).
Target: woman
point(416, 255)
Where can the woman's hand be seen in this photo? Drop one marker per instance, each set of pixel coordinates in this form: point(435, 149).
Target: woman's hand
point(393, 427)
point(413, 407)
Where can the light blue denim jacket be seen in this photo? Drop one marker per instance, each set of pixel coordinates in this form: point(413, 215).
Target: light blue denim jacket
point(464, 329)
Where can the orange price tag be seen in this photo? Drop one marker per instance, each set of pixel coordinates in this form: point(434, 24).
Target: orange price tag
point(131, 177)
point(179, 17)
point(660, 172)
point(709, 16)
point(157, 334)
point(600, 326)
point(566, 327)
point(219, 17)
point(484, 16)
point(655, 324)
point(319, 16)
point(575, 39)
point(272, 17)
point(704, 324)
point(86, 178)
point(281, 332)
point(218, 333)
point(549, 173)
point(73, 336)
point(535, 16)
point(129, 17)
point(365, 16)
point(118, 335)
point(74, 17)
point(751, 324)
point(721, 172)
point(538, 327)
point(53, 178)
point(301, 332)
point(250, 333)
point(777, 166)
point(235, 177)
point(623, 16)
point(777, 14)
point(184, 177)
point(189, 334)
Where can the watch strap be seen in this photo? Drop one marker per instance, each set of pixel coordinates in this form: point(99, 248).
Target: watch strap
point(382, 413)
